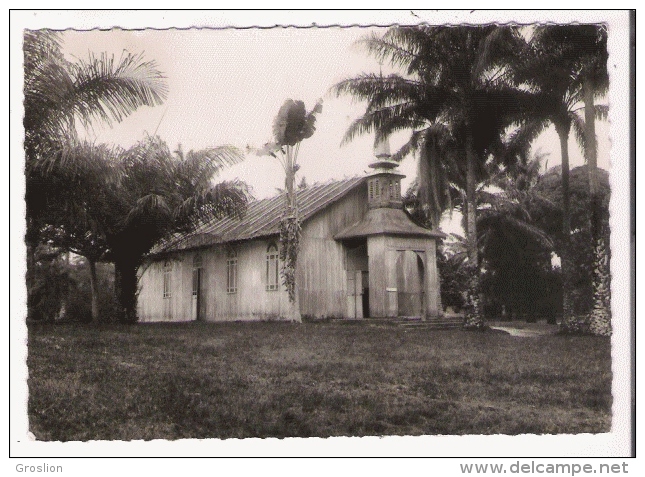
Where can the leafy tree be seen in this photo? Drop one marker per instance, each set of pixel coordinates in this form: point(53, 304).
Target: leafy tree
point(75, 200)
point(291, 126)
point(451, 258)
point(63, 289)
point(456, 83)
point(50, 286)
point(516, 252)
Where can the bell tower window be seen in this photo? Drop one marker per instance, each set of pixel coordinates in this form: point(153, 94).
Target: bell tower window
point(384, 183)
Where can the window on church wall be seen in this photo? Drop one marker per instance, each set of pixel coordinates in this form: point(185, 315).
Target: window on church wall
point(197, 266)
point(390, 189)
point(371, 191)
point(272, 278)
point(377, 192)
point(167, 271)
point(231, 272)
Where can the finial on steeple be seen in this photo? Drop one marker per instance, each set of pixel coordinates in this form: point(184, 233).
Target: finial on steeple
point(382, 148)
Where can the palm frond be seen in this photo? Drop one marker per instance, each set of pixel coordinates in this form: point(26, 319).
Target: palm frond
point(409, 147)
point(109, 90)
point(378, 89)
point(385, 121)
point(519, 141)
point(384, 48)
point(149, 208)
point(58, 92)
point(207, 163)
point(226, 199)
point(491, 47)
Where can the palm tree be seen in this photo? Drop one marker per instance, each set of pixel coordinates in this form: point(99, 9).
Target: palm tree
point(57, 93)
point(455, 77)
point(564, 66)
point(156, 193)
point(120, 203)
point(547, 67)
point(592, 47)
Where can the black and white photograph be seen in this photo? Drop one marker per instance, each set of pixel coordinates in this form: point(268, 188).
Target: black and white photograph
point(404, 232)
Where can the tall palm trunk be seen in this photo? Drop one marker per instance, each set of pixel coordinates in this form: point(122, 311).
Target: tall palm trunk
point(290, 238)
point(125, 288)
point(94, 287)
point(428, 177)
point(569, 322)
point(600, 316)
point(474, 318)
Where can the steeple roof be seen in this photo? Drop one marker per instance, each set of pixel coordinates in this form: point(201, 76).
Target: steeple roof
point(386, 221)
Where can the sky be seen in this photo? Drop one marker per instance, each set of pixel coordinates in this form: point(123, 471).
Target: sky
point(226, 86)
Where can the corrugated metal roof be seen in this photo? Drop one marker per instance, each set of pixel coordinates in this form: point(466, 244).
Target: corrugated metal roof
point(386, 221)
point(262, 217)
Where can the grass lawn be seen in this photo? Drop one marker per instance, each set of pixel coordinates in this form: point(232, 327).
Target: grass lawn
point(200, 380)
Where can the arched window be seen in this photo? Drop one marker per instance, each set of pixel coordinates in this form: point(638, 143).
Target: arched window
point(197, 261)
point(377, 190)
point(272, 280)
point(167, 271)
point(231, 271)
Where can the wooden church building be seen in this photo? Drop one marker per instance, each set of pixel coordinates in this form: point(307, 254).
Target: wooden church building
point(360, 257)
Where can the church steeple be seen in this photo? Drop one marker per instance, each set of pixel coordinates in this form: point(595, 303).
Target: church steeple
point(384, 184)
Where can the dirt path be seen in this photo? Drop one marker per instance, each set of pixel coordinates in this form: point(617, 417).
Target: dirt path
point(524, 333)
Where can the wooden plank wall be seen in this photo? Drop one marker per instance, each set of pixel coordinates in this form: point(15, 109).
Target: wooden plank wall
point(252, 301)
point(382, 251)
point(322, 279)
point(152, 306)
